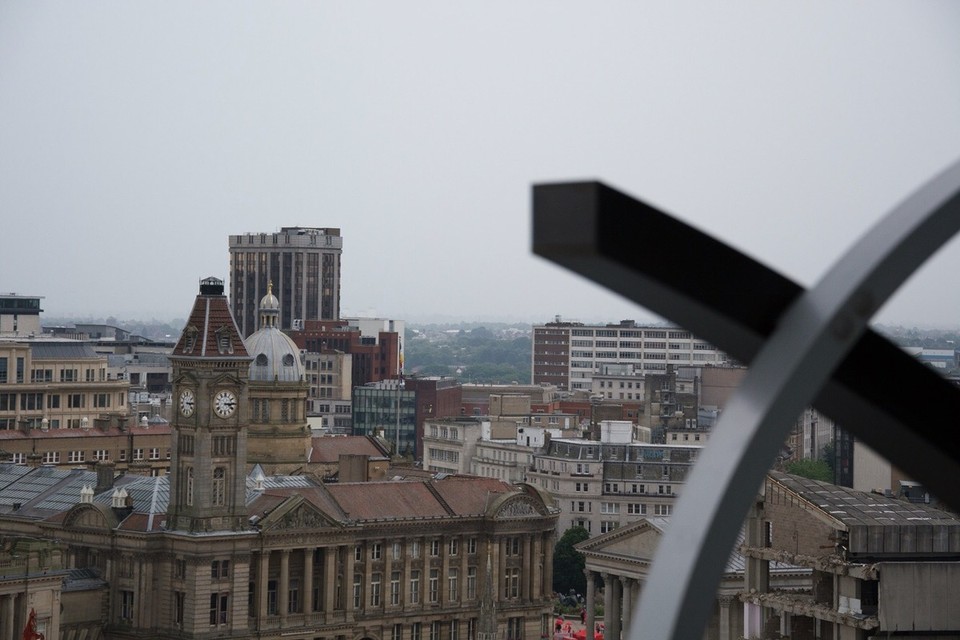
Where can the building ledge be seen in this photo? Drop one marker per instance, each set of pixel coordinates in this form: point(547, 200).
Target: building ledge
point(829, 563)
point(805, 606)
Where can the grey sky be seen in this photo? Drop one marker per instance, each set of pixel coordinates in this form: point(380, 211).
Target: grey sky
point(134, 137)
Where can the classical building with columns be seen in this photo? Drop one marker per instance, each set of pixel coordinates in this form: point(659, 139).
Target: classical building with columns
point(620, 561)
point(217, 549)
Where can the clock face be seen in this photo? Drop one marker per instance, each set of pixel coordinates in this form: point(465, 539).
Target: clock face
point(187, 402)
point(225, 403)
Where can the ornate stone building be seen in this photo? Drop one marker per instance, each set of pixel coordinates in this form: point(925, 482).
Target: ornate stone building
point(213, 550)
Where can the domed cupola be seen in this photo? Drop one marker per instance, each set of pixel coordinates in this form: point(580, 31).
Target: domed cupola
point(276, 358)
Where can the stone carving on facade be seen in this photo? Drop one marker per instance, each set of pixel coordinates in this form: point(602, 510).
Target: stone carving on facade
point(301, 518)
point(517, 509)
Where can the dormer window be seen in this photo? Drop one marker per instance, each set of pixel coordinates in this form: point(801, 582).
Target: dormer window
point(287, 360)
point(190, 341)
point(224, 340)
point(261, 360)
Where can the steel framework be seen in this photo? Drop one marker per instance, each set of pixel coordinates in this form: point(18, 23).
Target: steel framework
point(803, 347)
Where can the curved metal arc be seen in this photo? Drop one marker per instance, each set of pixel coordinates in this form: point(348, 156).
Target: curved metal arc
point(813, 338)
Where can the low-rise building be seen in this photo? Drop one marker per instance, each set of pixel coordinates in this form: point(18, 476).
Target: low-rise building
point(878, 564)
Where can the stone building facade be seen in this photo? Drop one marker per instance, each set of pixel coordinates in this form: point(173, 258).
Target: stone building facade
point(215, 551)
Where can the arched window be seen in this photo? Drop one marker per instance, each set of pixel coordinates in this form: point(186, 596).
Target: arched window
point(287, 360)
point(219, 487)
point(261, 360)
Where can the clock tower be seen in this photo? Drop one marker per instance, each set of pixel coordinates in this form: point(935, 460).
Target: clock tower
point(209, 448)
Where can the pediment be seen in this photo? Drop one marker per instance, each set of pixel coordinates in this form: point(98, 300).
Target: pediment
point(516, 507)
point(296, 514)
point(638, 540)
point(90, 516)
point(226, 379)
point(186, 379)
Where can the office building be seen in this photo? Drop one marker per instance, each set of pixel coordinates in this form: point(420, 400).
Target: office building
point(302, 262)
point(570, 354)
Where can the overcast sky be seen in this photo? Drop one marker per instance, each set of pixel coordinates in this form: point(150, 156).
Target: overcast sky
point(134, 137)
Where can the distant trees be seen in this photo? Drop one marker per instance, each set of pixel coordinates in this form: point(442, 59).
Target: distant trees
point(568, 563)
point(478, 355)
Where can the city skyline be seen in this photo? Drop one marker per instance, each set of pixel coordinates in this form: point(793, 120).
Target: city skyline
point(137, 138)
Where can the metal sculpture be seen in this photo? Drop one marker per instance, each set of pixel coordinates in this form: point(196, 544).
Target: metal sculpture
point(803, 347)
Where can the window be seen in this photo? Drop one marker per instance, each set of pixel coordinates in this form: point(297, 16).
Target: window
point(75, 401)
point(272, 608)
point(396, 632)
point(514, 629)
point(219, 487)
point(453, 547)
point(414, 596)
point(75, 456)
point(472, 629)
point(511, 587)
point(452, 585)
point(101, 400)
point(610, 507)
point(375, 551)
point(179, 600)
point(397, 550)
point(435, 630)
point(101, 454)
point(220, 569)
point(19, 458)
point(513, 546)
point(53, 401)
point(51, 457)
point(357, 590)
point(154, 453)
point(218, 608)
point(434, 586)
point(188, 489)
point(471, 546)
point(415, 631)
point(138, 454)
point(394, 588)
point(662, 509)
point(608, 525)
point(435, 547)
point(414, 549)
point(454, 630)
point(179, 568)
point(471, 583)
point(358, 553)
point(375, 589)
point(637, 509)
point(126, 606)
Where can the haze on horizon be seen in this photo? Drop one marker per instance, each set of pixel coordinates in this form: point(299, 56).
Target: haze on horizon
point(135, 137)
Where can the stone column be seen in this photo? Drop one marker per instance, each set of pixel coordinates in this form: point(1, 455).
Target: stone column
point(263, 573)
point(724, 602)
point(607, 603)
point(8, 609)
point(616, 624)
point(591, 604)
point(526, 569)
point(283, 584)
point(348, 579)
point(464, 568)
point(499, 579)
point(308, 579)
point(627, 603)
point(329, 588)
point(537, 561)
point(548, 564)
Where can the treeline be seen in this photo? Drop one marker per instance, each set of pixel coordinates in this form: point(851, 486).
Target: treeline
point(479, 354)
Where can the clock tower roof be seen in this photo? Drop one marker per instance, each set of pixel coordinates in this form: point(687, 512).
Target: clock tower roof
point(211, 331)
